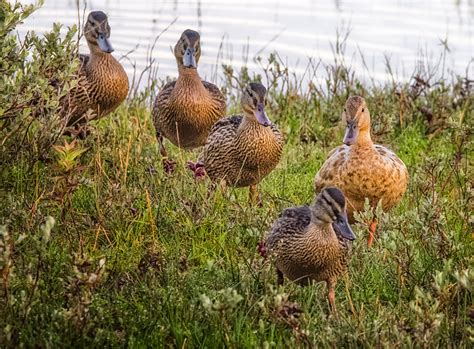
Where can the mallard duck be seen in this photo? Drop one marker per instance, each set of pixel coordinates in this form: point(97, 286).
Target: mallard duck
point(241, 150)
point(186, 109)
point(362, 169)
point(312, 242)
point(103, 83)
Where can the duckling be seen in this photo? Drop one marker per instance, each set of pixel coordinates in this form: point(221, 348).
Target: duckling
point(312, 243)
point(185, 109)
point(103, 83)
point(241, 150)
point(362, 169)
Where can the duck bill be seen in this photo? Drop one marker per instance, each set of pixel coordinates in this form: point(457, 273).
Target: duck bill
point(189, 59)
point(343, 229)
point(352, 131)
point(261, 116)
point(104, 43)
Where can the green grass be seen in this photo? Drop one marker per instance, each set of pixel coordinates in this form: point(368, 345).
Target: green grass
point(140, 258)
point(169, 244)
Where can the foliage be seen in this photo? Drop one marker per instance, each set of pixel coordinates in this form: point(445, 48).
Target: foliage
point(34, 75)
point(136, 257)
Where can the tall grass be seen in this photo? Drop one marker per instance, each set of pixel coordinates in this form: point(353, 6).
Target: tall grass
point(99, 247)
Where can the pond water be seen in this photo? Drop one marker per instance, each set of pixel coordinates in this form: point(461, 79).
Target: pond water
point(405, 32)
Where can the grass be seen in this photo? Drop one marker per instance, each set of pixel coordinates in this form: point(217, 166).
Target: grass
point(98, 247)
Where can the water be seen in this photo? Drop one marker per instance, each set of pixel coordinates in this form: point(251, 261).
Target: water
point(406, 32)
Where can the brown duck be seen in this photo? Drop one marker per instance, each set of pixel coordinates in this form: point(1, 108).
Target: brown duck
point(312, 243)
point(186, 109)
point(103, 83)
point(362, 169)
point(241, 150)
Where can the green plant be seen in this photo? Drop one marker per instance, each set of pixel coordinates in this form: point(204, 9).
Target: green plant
point(135, 257)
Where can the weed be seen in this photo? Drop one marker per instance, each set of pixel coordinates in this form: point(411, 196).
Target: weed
point(135, 257)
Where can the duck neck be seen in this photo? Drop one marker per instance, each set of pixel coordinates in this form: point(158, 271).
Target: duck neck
point(249, 124)
point(188, 74)
point(250, 134)
point(326, 231)
point(189, 79)
point(364, 139)
point(96, 54)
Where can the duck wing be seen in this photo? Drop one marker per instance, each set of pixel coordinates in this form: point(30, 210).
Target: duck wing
point(161, 103)
point(219, 144)
point(300, 216)
point(328, 174)
point(293, 221)
point(215, 93)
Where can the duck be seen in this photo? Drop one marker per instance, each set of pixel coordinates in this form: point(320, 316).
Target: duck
point(102, 81)
point(361, 169)
point(312, 243)
point(185, 109)
point(243, 149)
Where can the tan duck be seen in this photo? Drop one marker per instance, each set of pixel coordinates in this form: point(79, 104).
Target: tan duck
point(241, 150)
point(312, 243)
point(103, 83)
point(362, 169)
point(186, 109)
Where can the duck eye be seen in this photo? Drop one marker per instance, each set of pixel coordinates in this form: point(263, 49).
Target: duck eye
point(344, 110)
point(363, 109)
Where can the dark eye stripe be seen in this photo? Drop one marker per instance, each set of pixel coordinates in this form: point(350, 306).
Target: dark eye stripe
point(331, 202)
point(326, 201)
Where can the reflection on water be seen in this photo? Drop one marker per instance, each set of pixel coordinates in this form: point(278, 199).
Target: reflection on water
point(237, 32)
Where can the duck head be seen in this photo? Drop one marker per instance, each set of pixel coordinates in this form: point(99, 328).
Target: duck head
point(188, 49)
point(253, 103)
point(356, 118)
point(330, 208)
point(97, 32)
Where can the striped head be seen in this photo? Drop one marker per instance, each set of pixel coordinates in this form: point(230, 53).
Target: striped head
point(356, 118)
point(253, 103)
point(188, 49)
point(97, 32)
point(330, 208)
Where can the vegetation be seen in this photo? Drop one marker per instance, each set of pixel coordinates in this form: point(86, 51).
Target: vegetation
point(98, 246)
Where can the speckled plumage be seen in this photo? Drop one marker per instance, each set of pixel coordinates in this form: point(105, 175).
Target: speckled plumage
point(102, 81)
point(240, 150)
point(185, 109)
point(363, 170)
point(304, 244)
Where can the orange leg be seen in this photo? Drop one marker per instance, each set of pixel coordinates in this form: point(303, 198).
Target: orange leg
point(332, 296)
point(372, 228)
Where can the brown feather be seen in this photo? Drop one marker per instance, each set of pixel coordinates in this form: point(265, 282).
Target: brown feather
point(364, 170)
point(101, 87)
point(241, 151)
